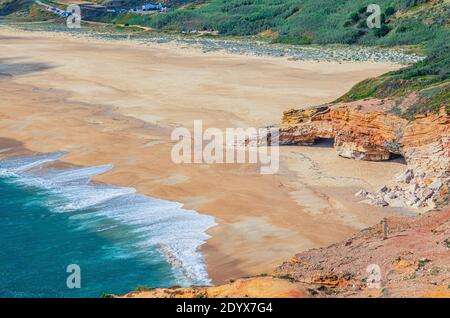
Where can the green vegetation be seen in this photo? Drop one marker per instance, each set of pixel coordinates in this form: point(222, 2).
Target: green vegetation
point(318, 21)
point(143, 288)
point(12, 6)
point(447, 243)
point(296, 40)
point(404, 22)
point(429, 77)
point(284, 276)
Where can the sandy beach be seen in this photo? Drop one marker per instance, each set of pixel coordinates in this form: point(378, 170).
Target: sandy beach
point(117, 103)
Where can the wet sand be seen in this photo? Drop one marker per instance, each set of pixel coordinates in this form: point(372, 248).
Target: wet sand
point(118, 102)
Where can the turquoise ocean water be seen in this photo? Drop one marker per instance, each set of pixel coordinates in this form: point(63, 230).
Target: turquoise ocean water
point(50, 219)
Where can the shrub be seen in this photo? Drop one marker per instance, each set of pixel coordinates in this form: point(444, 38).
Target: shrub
point(347, 24)
point(292, 39)
point(382, 31)
point(354, 17)
point(389, 11)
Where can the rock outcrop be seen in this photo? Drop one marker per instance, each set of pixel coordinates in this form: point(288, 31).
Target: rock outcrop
point(254, 287)
point(370, 130)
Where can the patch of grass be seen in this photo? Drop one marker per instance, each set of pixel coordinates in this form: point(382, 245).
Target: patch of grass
point(284, 276)
point(434, 271)
point(294, 40)
point(263, 275)
point(365, 89)
point(432, 104)
point(143, 288)
point(447, 242)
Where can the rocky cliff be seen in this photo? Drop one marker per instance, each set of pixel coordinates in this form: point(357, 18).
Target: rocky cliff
point(371, 130)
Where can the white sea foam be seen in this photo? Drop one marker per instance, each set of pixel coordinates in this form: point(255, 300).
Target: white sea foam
point(175, 232)
point(21, 164)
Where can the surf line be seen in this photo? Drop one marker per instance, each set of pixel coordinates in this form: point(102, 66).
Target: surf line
point(161, 225)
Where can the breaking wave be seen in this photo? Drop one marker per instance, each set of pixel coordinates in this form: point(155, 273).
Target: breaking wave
point(145, 223)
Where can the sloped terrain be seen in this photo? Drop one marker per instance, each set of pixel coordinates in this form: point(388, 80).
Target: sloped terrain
point(411, 260)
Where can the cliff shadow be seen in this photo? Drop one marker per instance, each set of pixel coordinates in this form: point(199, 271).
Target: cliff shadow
point(323, 143)
point(397, 158)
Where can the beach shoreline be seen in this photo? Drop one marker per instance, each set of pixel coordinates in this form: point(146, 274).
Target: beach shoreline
point(119, 106)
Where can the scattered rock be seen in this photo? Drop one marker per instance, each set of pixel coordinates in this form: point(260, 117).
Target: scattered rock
point(427, 193)
point(423, 261)
point(406, 176)
point(361, 193)
point(413, 187)
point(378, 202)
point(436, 185)
point(392, 195)
point(384, 189)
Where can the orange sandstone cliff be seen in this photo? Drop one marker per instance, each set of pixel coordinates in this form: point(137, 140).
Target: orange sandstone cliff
point(369, 130)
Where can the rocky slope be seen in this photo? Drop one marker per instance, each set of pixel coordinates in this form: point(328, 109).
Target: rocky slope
point(403, 257)
point(370, 130)
point(411, 256)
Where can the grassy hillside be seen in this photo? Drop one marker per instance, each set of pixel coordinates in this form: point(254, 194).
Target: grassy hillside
point(430, 78)
point(313, 21)
point(8, 7)
point(404, 22)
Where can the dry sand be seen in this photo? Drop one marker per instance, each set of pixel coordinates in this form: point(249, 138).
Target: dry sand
point(117, 102)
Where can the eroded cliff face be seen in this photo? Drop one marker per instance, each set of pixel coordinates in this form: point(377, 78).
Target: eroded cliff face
point(369, 130)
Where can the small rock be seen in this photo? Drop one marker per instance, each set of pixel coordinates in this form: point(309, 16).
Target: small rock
point(405, 176)
point(378, 202)
point(399, 194)
point(436, 185)
point(383, 189)
point(427, 193)
point(392, 196)
point(423, 261)
point(412, 200)
point(413, 187)
point(431, 204)
point(361, 193)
